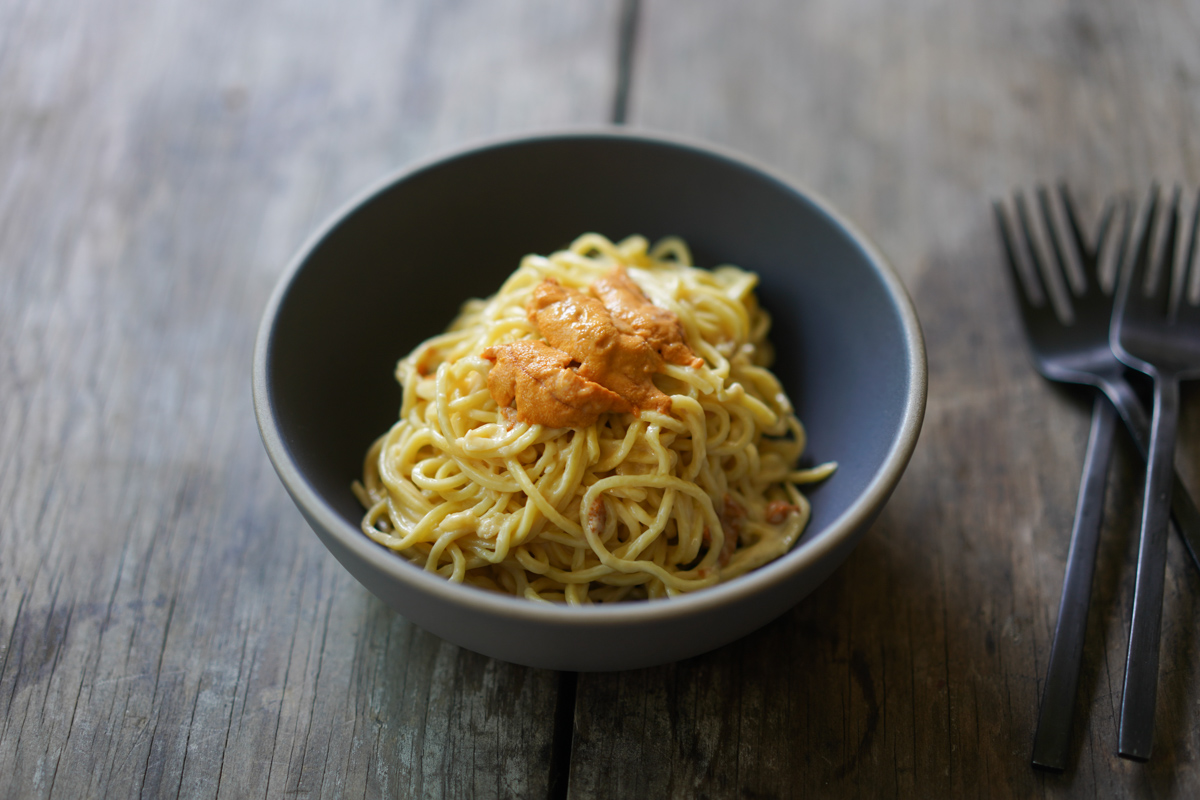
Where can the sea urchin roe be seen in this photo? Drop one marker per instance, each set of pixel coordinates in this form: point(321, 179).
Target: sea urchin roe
point(600, 354)
point(546, 391)
point(583, 328)
point(778, 510)
point(633, 313)
point(733, 520)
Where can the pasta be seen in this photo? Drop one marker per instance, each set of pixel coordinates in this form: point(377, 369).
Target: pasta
point(684, 477)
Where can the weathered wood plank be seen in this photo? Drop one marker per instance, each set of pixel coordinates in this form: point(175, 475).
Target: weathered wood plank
point(168, 625)
point(916, 670)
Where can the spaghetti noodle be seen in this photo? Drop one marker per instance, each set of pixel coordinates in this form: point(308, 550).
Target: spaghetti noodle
point(651, 499)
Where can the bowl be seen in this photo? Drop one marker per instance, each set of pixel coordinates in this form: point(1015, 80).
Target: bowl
point(392, 267)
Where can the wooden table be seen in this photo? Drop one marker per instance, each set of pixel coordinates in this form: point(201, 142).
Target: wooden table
point(168, 623)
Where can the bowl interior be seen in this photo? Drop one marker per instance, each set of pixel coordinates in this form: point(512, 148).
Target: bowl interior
point(395, 270)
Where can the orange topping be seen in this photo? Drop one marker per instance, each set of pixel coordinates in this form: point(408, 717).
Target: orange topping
point(633, 313)
point(597, 517)
point(600, 354)
point(583, 328)
point(778, 510)
point(733, 517)
point(546, 392)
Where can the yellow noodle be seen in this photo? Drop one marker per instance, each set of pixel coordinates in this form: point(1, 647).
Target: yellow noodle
point(461, 488)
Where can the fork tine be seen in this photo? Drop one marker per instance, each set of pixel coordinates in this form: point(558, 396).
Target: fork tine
point(1133, 285)
point(1038, 273)
point(1089, 257)
point(1031, 297)
point(1160, 293)
point(1123, 244)
point(1081, 245)
point(1188, 313)
point(1055, 247)
point(1106, 217)
point(1092, 265)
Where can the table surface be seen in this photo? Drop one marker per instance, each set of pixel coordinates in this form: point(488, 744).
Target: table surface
point(168, 623)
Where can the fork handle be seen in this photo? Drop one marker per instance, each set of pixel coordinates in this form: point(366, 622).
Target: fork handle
point(1183, 508)
point(1141, 663)
point(1052, 742)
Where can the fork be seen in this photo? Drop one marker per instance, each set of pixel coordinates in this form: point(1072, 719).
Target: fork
point(1161, 338)
point(1078, 352)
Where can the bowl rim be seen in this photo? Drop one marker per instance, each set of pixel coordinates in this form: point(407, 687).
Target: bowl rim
point(804, 555)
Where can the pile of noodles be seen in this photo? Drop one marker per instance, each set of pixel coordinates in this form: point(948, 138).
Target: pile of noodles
point(630, 507)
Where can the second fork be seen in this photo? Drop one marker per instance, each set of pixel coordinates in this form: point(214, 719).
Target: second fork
point(1160, 336)
point(1078, 351)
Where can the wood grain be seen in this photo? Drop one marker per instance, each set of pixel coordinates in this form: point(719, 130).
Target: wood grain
point(170, 627)
point(916, 670)
point(168, 624)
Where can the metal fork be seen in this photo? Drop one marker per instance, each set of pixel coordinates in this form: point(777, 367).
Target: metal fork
point(1161, 338)
point(1078, 352)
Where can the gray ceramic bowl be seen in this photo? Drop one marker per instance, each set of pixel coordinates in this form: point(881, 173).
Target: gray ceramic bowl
point(392, 268)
